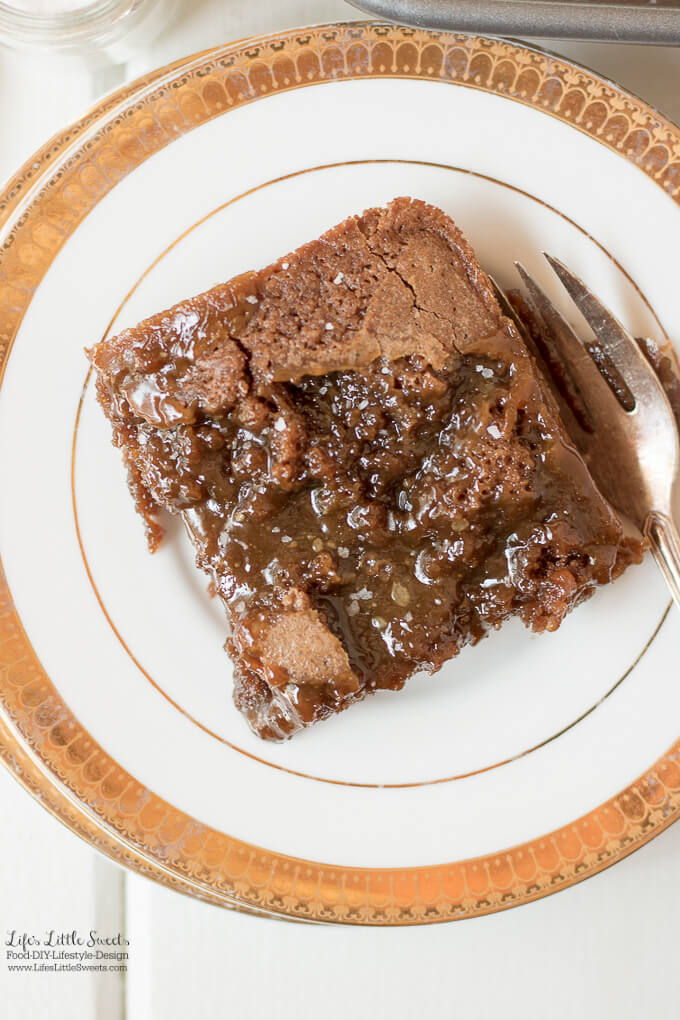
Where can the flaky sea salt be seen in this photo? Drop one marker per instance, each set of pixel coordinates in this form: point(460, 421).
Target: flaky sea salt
point(329, 325)
point(339, 278)
point(400, 594)
point(251, 299)
point(494, 431)
point(280, 424)
point(487, 373)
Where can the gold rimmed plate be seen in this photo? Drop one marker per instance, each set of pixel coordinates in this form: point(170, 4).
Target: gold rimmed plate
point(515, 770)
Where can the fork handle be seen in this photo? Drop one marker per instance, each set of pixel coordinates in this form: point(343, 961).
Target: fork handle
point(664, 539)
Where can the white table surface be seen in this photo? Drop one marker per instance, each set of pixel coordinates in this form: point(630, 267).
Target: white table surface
point(605, 948)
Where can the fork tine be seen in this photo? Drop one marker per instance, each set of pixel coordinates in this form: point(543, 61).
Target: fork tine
point(611, 337)
point(572, 407)
point(503, 301)
point(510, 313)
point(573, 360)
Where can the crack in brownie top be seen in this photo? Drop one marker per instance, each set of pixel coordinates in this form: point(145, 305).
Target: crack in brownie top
point(366, 458)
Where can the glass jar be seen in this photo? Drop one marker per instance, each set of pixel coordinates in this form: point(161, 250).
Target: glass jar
point(112, 29)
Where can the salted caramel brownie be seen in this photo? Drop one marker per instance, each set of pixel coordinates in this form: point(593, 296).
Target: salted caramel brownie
point(367, 460)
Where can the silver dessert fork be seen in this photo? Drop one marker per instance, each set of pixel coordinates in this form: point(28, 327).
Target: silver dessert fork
point(618, 412)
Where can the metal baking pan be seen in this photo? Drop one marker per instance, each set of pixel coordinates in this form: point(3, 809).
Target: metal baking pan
point(637, 22)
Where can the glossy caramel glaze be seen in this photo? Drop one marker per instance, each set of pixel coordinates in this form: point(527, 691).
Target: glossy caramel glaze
point(370, 467)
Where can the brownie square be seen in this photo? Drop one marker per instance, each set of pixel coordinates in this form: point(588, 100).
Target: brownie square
point(366, 457)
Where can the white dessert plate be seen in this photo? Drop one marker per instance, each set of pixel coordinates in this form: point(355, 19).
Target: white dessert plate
point(525, 764)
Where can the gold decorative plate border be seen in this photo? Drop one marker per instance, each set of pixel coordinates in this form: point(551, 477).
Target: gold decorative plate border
point(41, 741)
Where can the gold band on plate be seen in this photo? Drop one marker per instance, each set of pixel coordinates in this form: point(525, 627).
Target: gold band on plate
point(41, 741)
